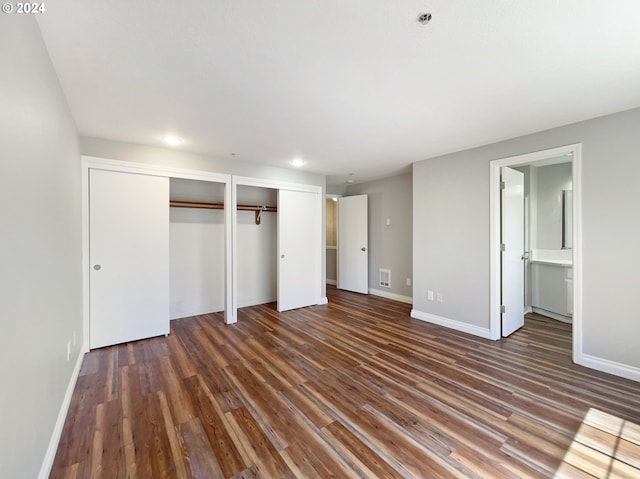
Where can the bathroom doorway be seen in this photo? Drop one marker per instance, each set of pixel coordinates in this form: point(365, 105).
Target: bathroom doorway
point(551, 250)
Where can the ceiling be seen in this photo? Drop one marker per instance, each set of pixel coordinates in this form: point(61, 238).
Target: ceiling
point(355, 86)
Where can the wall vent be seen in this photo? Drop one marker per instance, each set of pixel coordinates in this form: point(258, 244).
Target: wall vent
point(385, 278)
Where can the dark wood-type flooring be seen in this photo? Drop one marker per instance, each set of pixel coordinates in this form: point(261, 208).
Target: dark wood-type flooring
point(352, 389)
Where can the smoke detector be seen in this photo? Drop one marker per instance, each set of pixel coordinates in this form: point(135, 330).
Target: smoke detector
point(424, 18)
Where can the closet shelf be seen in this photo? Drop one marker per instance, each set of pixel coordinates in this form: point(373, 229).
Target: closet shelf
point(259, 209)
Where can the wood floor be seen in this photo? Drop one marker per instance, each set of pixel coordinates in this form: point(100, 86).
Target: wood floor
point(352, 389)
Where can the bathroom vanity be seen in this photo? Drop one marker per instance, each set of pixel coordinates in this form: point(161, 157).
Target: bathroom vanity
point(552, 278)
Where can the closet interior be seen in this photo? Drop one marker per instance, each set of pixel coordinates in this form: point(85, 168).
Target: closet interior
point(257, 245)
point(196, 253)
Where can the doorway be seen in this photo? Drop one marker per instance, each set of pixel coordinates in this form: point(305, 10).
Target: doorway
point(572, 154)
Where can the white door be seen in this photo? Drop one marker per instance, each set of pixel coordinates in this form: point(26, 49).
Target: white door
point(353, 244)
point(129, 257)
point(299, 226)
point(512, 214)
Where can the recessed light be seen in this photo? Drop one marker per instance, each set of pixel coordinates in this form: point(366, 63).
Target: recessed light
point(350, 182)
point(334, 199)
point(297, 162)
point(172, 140)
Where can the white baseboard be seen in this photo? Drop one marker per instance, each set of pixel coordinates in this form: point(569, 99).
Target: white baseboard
point(552, 315)
point(324, 300)
point(452, 323)
point(607, 366)
point(528, 310)
point(256, 301)
point(331, 281)
point(394, 296)
point(47, 463)
point(189, 314)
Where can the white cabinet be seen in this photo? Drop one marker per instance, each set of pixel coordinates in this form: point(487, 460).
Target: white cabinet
point(552, 293)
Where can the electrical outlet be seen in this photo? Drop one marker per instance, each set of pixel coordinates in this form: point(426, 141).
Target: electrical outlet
point(408, 281)
point(68, 350)
point(439, 297)
point(430, 295)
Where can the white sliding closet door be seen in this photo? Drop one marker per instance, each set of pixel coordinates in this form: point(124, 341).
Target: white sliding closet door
point(298, 249)
point(129, 257)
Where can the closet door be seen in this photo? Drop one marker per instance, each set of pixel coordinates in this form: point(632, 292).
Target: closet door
point(129, 253)
point(298, 249)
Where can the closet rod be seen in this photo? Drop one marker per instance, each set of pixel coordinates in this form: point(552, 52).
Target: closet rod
point(220, 206)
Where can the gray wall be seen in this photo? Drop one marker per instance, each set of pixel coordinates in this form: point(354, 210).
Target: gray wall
point(181, 159)
point(40, 247)
point(451, 230)
point(389, 246)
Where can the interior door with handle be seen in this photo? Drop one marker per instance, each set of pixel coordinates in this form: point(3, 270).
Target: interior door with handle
point(353, 244)
point(299, 230)
point(513, 254)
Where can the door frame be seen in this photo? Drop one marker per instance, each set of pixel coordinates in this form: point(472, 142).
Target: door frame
point(494, 236)
point(276, 185)
point(91, 162)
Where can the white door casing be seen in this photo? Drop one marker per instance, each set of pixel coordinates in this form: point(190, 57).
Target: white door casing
point(512, 237)
point(129, 257)
point(299, 232)
point(353, 244)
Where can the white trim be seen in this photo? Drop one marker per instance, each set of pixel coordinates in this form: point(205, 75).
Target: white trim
point(91, 162)
point(276, 185)
point(256, 302)
point(331, 281)
point(552, 315)
point(494, 235)
point(230, 230)
point(611, 367)
point(331, 247)
point(323, 301)
point(155, 170)
point(47, 462)
point(452, 324)
point(191, 314)
point(528, 309)
point(394, 296)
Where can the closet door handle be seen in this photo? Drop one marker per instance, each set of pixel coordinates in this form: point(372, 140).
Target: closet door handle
point(97, 267)
point(363, 249)
point(282, 256)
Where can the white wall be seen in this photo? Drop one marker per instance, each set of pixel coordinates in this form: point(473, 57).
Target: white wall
point(389, 245)
point(196, 250)
point(451, 230)
point(196, 261)
point(257, 248)
point(40, 247)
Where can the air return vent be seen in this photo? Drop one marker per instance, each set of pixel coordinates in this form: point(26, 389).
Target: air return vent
point(385, 278)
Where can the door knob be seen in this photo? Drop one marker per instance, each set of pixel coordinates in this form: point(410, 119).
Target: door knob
point(363, 249)
point(282, 256)
point(97, 267)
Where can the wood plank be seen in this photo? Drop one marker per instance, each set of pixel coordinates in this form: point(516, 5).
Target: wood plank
point(353, 389)
point(201, 459)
